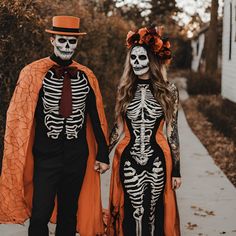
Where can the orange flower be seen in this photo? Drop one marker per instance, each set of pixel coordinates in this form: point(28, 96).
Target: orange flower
point(142, 32)
point(147, 39)
point(158, 44)
point(128, 37)
point(167, 44)
point(152, 38)
point(130, 34)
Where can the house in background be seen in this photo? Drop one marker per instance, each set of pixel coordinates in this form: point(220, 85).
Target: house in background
point(228, 80)
point(197, 43)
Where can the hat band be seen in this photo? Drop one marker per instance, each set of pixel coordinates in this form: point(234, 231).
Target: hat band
point(69, 30)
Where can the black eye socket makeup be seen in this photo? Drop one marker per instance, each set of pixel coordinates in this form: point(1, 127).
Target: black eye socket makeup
point(61, 40)
point(142, 57)
point(133, 57)
point(72, 41)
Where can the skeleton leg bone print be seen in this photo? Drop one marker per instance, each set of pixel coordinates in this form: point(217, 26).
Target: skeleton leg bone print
point(143, 171)
point(136, 184)
point(52, 94)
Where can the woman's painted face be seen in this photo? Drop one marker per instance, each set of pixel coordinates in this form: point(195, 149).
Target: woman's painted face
point(139, 60)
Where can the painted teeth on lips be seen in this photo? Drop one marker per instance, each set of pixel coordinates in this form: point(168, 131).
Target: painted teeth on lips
point(66, 52)
point(139, 68)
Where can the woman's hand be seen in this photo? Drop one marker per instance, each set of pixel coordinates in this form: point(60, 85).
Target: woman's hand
point(101, 167)
point(176, 182)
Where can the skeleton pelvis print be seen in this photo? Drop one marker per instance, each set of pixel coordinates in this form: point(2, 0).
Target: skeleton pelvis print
point(52, 95)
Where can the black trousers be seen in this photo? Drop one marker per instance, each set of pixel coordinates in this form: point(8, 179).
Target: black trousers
point(58, 174)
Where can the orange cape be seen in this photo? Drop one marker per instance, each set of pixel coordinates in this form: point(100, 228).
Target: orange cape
point(171, 215)
point(16, 185)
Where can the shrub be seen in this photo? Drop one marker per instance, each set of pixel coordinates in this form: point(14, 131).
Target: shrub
point(221, 113)
point(202, 83)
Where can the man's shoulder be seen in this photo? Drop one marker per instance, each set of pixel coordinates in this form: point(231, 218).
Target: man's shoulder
point(38, 65)
point(88, 72)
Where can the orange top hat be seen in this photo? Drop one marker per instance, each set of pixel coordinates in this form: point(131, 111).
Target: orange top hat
point(65, 25)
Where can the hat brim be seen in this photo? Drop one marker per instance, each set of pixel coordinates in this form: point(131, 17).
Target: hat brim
point(65, 33)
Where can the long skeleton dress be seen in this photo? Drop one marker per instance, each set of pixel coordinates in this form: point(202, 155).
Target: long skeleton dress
point(142, 168)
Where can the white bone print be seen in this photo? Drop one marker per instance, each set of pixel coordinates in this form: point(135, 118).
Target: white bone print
point(52, 88)
point(143, 112)
point(136, 184)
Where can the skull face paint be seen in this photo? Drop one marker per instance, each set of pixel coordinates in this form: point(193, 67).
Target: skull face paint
point(139, 60)
point(64, 46)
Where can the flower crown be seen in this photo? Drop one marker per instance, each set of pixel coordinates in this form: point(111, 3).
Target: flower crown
point(151, 37)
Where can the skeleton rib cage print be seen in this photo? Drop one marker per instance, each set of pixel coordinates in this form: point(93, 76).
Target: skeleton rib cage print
point(142, 163)
point(52, 88)
point(143, 111)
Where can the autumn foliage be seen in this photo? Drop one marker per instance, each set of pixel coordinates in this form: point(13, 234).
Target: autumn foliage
point(23, 40)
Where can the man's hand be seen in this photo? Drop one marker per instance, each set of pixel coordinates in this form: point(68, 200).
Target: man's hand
point(101, 167)
point(176, 182)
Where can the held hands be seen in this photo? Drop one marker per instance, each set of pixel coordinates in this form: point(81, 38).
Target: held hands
point(101, 167)
point(176, 182)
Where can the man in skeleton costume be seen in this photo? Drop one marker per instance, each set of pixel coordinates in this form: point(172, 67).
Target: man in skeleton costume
point(55, 143)
point(145, 166)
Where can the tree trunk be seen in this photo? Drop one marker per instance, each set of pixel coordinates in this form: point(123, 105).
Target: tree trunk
point(211, 41)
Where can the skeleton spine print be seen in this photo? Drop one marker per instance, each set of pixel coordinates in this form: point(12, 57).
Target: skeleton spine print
point(143, 112)
point(142, 167)
point(55, 124)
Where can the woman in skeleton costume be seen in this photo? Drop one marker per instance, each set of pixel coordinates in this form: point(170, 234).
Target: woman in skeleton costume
point(146, 167)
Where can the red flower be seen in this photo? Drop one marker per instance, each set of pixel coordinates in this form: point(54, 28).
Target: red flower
point(132, 38)
point(167, 52)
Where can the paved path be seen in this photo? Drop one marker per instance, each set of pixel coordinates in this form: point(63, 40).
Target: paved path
point(206, 199)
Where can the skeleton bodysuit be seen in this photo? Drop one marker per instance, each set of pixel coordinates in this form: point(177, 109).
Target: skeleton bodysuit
point(142, 166)
point(53, 132)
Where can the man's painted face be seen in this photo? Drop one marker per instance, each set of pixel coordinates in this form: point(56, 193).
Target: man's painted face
point(64, 46)
point(139, 60)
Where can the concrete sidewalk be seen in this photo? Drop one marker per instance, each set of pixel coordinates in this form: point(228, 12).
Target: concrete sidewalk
point(206, 199)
